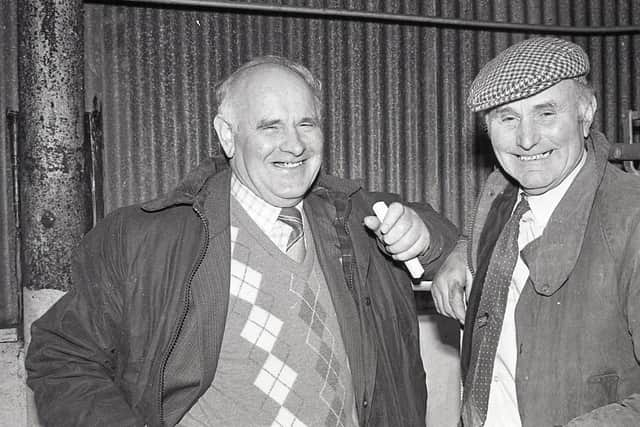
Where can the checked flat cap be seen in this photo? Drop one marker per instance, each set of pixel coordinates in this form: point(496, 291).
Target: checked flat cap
point(525, 69)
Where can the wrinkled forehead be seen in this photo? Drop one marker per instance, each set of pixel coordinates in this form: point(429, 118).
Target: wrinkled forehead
point(269, 84)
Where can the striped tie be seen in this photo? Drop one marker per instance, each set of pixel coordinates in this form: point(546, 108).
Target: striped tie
point(293, 218)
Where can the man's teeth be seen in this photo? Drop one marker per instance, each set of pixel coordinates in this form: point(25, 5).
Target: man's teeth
point(535, 157)
point(289, 164)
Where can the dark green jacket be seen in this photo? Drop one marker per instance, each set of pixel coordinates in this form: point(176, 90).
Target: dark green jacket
point(103, 354)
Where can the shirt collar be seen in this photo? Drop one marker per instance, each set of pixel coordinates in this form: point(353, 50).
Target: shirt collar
point(543, 205)
point(262, 213)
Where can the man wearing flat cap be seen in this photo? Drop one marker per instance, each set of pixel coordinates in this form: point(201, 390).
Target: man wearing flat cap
point(547, 280)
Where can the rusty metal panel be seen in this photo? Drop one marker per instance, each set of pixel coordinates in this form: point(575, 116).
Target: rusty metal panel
point(9, 287)
point(394, 92)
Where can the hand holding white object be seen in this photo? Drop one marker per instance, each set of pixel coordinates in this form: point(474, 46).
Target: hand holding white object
point(402, 232)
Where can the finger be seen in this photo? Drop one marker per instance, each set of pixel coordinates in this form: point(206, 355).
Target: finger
point(457, 304)
point(400, 230)
point(413, 244)
point(437, 296)
point(446, 305)
point(441, 296)
point(372, 223)
point(395, 211)
point(407, 248)
point(398, 244)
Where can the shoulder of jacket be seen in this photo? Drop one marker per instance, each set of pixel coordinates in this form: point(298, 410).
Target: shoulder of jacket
point(617, 205)
point(131, 223)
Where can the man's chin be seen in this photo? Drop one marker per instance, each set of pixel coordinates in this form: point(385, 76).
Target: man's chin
point(535, 188)
point(287, 199)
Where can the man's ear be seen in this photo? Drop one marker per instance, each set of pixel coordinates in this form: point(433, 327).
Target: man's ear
point(588, 115)
point(225, 135)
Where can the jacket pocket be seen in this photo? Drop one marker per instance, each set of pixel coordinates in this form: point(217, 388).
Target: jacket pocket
point(602, 389)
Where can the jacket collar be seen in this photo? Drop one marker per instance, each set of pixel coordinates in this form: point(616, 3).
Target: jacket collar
point(191, 188)
point(564, 234)
point(194, 189)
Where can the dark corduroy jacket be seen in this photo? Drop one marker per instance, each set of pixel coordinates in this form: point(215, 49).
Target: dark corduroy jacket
point(578, 317)
point(102, 354)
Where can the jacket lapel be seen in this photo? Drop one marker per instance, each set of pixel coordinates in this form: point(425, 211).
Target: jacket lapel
point(564, 234)
point(500, 212)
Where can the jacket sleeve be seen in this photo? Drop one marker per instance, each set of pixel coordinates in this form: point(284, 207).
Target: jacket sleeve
point(71, 360)
point(625, 412)
point(443, 238)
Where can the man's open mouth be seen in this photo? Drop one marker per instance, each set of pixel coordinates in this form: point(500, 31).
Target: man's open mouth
point(288, 165)
point(535, 156)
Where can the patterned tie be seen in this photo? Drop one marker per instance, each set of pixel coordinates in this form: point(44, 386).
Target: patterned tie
point(295, 246)
point(491, 309)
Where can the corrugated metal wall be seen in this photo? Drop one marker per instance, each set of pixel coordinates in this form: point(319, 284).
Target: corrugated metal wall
point(394, 92)
point(9, 296)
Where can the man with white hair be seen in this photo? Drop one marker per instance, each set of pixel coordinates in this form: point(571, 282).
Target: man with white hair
point(259, 292)
point(551, 262)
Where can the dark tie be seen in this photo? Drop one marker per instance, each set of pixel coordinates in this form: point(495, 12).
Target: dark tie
point(490, 315)
point(295, 246)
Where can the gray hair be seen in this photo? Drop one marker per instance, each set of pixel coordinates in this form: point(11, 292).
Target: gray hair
point(584, 93)
point(224, 88)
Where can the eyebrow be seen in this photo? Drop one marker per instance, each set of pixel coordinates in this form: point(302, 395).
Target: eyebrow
point(537, 107)
point(309, 119)
point(505, 109)
point(545, 105)
point(268, 122)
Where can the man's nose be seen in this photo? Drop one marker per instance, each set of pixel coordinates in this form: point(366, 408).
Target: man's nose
point(526, 137)
point(293, 143)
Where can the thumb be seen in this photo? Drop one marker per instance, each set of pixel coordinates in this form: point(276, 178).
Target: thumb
point(372, 223)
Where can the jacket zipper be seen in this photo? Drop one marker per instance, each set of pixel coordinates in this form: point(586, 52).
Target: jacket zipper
point(469, 260)
point(350, 277)
point(359, 307)
point(185, 312)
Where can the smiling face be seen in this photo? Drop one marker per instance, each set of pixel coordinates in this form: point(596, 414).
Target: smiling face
point(270, 130)
point(539, 140)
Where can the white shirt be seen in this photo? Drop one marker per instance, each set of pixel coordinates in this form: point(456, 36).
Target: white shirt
point(502, 409)
point(263, 214)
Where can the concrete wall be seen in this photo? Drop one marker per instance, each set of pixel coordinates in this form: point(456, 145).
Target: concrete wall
point(439, 345)
point(13, 391)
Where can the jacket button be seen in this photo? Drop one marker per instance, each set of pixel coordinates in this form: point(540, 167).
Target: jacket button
point(367, 301)
point(365, 403)
point(483, 320)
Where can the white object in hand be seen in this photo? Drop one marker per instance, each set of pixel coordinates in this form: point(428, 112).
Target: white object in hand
point(413, 265)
